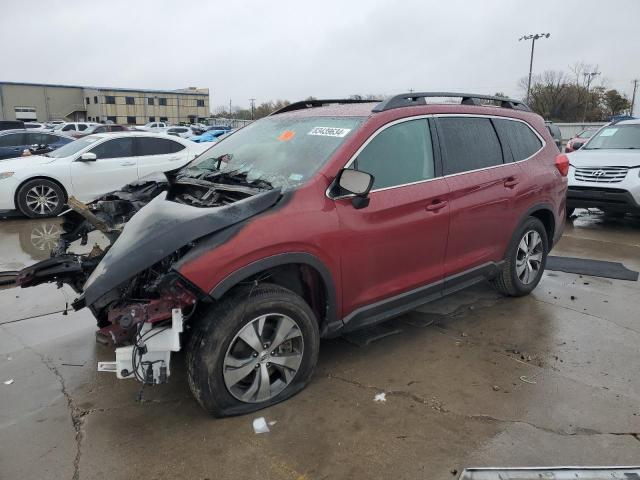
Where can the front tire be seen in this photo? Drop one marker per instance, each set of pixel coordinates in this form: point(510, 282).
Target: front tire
point(41, 198)
point(256, 348)
point(525, 261)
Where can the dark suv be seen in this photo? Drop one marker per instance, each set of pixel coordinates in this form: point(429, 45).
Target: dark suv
point(325, 217)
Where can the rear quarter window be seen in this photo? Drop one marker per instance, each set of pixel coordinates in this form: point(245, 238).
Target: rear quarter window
point(522, 141)
point(469, 143)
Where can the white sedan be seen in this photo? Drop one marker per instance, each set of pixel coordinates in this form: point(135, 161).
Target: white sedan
point(39, 185)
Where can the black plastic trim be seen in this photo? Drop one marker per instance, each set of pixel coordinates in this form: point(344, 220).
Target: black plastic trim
point(418, 98)
point(392, 307)
point(284, 259)
point(304, 104)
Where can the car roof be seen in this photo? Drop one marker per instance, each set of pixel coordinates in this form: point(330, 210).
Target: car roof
point(134, 133)
point(13, 130)
point(633, 121)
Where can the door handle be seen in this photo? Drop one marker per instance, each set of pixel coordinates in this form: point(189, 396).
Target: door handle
point(173, 159)
point(128, 164)
point(511, 182)
point(436, 205)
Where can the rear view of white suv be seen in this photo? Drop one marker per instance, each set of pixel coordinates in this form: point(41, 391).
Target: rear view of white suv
point(605, 173)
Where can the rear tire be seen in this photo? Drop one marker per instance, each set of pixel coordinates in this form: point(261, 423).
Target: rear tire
point(41, 198)
point(525, 260)
point(235, 363)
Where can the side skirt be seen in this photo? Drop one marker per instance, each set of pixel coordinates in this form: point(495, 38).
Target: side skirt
point(394, 306)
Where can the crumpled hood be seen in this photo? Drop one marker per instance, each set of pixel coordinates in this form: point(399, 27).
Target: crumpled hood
point(605, 158)
point(159, 229)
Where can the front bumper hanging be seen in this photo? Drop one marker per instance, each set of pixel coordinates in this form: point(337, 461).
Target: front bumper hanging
point(148, 360)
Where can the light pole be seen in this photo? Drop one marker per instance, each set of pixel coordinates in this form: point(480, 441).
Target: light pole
point(588, 77)
point(533, 38)
point(253, 104)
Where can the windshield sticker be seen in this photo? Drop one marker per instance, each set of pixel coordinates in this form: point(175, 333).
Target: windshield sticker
point(609, 132)
point(329, 131)
point(286, 135)
point(296, 177)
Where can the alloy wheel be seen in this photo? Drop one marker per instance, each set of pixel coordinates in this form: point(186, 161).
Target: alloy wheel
point(529, 257)
point(263, 358)
point(45, 237)
point(42, 199)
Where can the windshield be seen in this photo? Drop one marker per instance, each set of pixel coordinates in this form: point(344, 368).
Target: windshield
point(72, 148)
point(58, 126)
point(616, 137)
point(281, 151)
point(586, 134)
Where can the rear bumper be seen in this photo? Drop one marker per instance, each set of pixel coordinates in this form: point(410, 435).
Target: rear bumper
point(612, 199)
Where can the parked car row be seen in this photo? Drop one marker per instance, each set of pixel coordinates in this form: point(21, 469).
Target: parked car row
point(39, 185)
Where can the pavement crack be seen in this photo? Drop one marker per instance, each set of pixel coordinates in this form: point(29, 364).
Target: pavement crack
point(439, 407)
point(77, 415)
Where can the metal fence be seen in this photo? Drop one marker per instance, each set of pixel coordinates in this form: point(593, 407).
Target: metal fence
point(231, 122)
point(570, 130)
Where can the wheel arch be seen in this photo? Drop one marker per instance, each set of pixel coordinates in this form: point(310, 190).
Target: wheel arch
point(40, 177)
point(303, 273)
point(544, 213)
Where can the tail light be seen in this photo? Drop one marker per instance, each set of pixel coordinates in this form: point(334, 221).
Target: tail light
point(562, 164)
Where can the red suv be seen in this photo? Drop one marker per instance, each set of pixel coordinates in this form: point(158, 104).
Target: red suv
point(325, 217)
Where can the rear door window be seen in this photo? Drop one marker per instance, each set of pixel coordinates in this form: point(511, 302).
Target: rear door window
point(398, 155)
point(468, 143)
point(12, 139)
point(116, 148)
point(520, 138)
point(156, 146)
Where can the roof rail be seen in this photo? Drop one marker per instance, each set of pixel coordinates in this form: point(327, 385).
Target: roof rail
point(319, 103)
point(418, 98)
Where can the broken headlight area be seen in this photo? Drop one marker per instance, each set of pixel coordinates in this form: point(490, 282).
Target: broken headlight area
point(145, 325)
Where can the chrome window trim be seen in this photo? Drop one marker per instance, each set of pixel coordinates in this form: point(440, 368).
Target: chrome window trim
point(436, 115)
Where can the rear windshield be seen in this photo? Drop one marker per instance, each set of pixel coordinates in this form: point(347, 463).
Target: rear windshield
point(617, 137)
point(282, 151)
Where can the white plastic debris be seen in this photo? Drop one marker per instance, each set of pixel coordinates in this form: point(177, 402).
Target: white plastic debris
point(9, 382)
point(380, 397)
point(272, 423)
point(260, 425)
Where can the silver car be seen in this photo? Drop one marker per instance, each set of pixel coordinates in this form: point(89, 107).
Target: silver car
point(605, 172)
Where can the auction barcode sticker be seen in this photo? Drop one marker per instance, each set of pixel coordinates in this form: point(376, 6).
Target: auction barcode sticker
point(329, 131)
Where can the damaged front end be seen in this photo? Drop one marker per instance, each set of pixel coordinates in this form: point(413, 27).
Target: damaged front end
point(138, 298)
point(135, 292)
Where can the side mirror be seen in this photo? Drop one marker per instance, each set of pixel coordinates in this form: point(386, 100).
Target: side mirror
point(88, 157)
point(357, 183)
point(577, 145)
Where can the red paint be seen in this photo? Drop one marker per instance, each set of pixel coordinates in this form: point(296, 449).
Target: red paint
point(407, 236)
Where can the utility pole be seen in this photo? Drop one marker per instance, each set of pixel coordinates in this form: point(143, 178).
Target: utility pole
point(588, 77)
point(633, 97)
point(229, 108)
point(533, 38)
point(253, 105)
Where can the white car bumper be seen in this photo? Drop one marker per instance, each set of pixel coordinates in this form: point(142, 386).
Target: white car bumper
point(610, 190)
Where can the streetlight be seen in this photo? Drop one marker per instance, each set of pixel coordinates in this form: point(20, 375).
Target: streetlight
point(533, 37)
point(588, 76)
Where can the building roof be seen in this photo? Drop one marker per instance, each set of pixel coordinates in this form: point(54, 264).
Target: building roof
point(183, 91)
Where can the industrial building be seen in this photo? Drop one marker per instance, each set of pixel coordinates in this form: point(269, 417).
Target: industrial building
point(126, 106)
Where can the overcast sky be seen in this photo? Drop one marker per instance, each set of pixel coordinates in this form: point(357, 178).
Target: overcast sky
point(290, 49)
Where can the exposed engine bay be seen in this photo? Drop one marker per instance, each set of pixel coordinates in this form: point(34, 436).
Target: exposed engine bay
point(131, 286)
